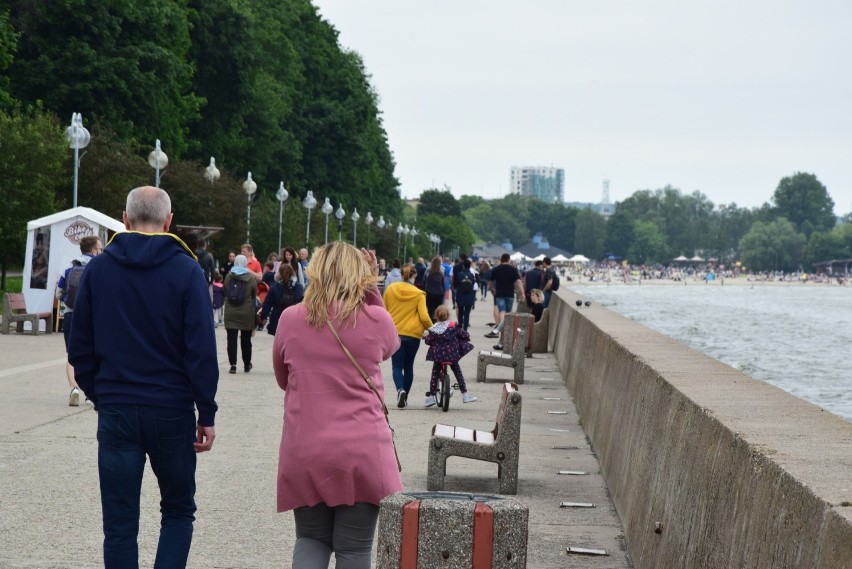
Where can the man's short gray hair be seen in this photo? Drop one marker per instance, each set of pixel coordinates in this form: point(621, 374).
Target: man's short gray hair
point(148, 205)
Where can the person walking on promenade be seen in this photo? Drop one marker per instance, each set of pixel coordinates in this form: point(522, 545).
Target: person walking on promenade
point(252, 264)
point(394, 275)
point(433, 284)
point(448, 342)
point(407, 306)
point(66, 291)
point(534, 278)
point(463, 283)
point(144, 353)
point(551, 281)
point(285, 292)
point(484, 273)
point(225, 268)
point(337, 459)
point(504, 279)
point(240, 312)
point(288, 256)
point(206, 260)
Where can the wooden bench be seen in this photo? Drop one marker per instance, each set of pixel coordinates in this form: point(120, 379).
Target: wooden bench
point(15, 310)
point(514, 360)
point(501, 444)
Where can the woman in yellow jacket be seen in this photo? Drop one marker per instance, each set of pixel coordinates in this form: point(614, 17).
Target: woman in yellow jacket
point(407, 306)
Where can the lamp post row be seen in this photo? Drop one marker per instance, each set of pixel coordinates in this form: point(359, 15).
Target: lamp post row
point(78, 137)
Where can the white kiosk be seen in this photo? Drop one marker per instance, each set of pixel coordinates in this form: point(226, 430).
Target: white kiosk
point(52, 243)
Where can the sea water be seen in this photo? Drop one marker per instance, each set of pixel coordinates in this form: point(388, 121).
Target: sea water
point(796, 337)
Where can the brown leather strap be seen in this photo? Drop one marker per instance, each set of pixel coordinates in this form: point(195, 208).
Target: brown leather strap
point(372, 387)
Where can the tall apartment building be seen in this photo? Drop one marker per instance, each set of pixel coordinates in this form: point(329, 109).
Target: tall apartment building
point(542, 182)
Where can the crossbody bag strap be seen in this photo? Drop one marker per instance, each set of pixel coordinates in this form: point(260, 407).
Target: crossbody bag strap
point(371, 385)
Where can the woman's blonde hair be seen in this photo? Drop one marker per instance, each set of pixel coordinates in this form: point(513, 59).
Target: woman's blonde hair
point(339, 277)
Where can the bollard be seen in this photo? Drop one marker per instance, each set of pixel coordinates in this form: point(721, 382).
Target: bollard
point(451, 530)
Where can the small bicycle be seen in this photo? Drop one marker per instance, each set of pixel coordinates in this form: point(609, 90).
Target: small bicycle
point(445, 388)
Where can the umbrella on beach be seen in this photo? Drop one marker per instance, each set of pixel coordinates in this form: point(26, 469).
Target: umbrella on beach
point(696, 259)
point(578, 259)
point(560, 258)
point(680, 259)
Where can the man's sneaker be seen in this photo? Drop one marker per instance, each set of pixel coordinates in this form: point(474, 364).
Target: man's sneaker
point(233, 369)
point(468, 398)
point(248, 367)
point(401, 399)
point(74, 398)
point(498, 347)
point(430, 401)
point(492, 334)
point(491, 324)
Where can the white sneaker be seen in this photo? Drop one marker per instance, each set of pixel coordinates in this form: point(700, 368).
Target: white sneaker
point(430, 401)
point(468, 398)
point(74, 398)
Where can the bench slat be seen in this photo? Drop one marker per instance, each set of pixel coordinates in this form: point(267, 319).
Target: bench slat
point(464, 434)
point(485, 437)
point(445, 431)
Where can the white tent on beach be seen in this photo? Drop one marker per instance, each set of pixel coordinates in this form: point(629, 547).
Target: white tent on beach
point(560, 258)
point(53, 242)
point(680, 259)
point(518, 256)
point(578, 259)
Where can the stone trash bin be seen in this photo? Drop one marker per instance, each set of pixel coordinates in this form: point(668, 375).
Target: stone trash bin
point(451, 530)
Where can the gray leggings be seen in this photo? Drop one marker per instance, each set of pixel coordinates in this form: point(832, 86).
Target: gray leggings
point(345, 530)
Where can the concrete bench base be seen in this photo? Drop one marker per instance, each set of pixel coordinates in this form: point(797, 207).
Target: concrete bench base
point(451, 531)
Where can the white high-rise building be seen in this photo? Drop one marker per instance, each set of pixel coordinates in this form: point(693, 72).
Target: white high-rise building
point(543, 182)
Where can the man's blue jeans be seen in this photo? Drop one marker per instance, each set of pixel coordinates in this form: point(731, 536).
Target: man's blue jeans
point(126, 434)
point(403, 362)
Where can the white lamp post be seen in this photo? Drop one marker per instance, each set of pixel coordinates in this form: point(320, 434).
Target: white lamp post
point(413, 235)
point(327, 208)
point(78, 137)
point(406, 231)
point(212, 172)
point(368, 220)
point(249, 187)
point(339, 214)
point(310, 203)
point(381, 222)
point(355, 218)
point(282, 196)
point(399, 230)
point(158, 161)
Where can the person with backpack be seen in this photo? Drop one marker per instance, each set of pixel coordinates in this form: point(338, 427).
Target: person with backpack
point(240, 312)
point(66, 291)
point(433, 284)
point(534, 278)
point(286, 292)
point(206, 260)
point(463, 283)
point(551, 281)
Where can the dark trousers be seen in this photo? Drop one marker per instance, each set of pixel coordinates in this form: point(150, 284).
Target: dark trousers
point(402, 362)
point(464, 315)
point(126, 435)
point(433, 301)
point(245, 345)
point(436, 376)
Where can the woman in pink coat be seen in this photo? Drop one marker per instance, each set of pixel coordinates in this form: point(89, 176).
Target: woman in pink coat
point(336, 460)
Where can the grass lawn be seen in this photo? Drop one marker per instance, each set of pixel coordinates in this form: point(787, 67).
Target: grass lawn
point(13, 284)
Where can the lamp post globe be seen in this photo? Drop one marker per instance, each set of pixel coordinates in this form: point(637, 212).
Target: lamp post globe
point(310, 203)
point(399, 238)
point(212, 172)
point(158, 160)
point(381, 222)
point(281, 195)
point(78, 137)
point(355, 218)
point(327, 208)
point(405, 231)
point(368, 220)
point(249, 187)
point(339, 214)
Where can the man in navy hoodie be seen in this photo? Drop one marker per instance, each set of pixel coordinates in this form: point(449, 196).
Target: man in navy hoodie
point(144, 352)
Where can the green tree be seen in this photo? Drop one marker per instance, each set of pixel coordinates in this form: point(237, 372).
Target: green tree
point(467, 202)
point(494, 225)
point(453, 231)
point(619, 233)
point(31, 152)
point(8, 45)
point(126, 61)
point(590, 234)
point(648, 245)
point(803, 200)
point(825, 246)
point(438, 202)
point(772, 246)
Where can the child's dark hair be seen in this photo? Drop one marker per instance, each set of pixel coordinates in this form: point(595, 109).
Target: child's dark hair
point(217, 278)
point(442, 313)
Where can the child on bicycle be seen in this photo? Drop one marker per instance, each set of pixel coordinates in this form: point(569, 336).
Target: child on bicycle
point(448, 342)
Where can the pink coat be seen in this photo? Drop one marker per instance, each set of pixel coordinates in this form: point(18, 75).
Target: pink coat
point(336, 447)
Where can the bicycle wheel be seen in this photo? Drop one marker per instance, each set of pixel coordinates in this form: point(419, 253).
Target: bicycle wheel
point(445, 391)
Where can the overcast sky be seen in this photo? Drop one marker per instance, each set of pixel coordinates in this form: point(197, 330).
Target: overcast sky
point(726, 96)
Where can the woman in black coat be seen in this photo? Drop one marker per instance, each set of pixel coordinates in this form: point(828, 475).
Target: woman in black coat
point(433, 284)
point(284, 293)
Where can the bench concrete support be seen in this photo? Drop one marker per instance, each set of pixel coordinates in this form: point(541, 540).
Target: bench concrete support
point(451, 531)
point(501, 445)
point(515, 321)
point(515, 360)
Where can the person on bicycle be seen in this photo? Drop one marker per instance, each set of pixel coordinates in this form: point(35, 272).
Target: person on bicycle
point(448, 343)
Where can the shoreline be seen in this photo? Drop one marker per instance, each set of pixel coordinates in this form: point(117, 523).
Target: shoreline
point(738, 282)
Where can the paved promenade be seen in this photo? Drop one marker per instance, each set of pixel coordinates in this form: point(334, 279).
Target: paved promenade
point(49, 499)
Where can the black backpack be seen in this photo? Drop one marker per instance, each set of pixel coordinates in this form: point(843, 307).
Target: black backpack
point(72, 283)
point(434, 283)
point(236, 292)
point(554, 278)
point(288, 298)
point(466, 282)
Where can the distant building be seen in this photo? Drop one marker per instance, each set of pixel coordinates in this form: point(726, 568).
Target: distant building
point(542, 182)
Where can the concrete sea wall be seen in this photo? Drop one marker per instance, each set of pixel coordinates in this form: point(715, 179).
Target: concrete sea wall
point(737, 472)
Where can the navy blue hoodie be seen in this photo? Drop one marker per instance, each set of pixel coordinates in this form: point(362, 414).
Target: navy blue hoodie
point(143, 327)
